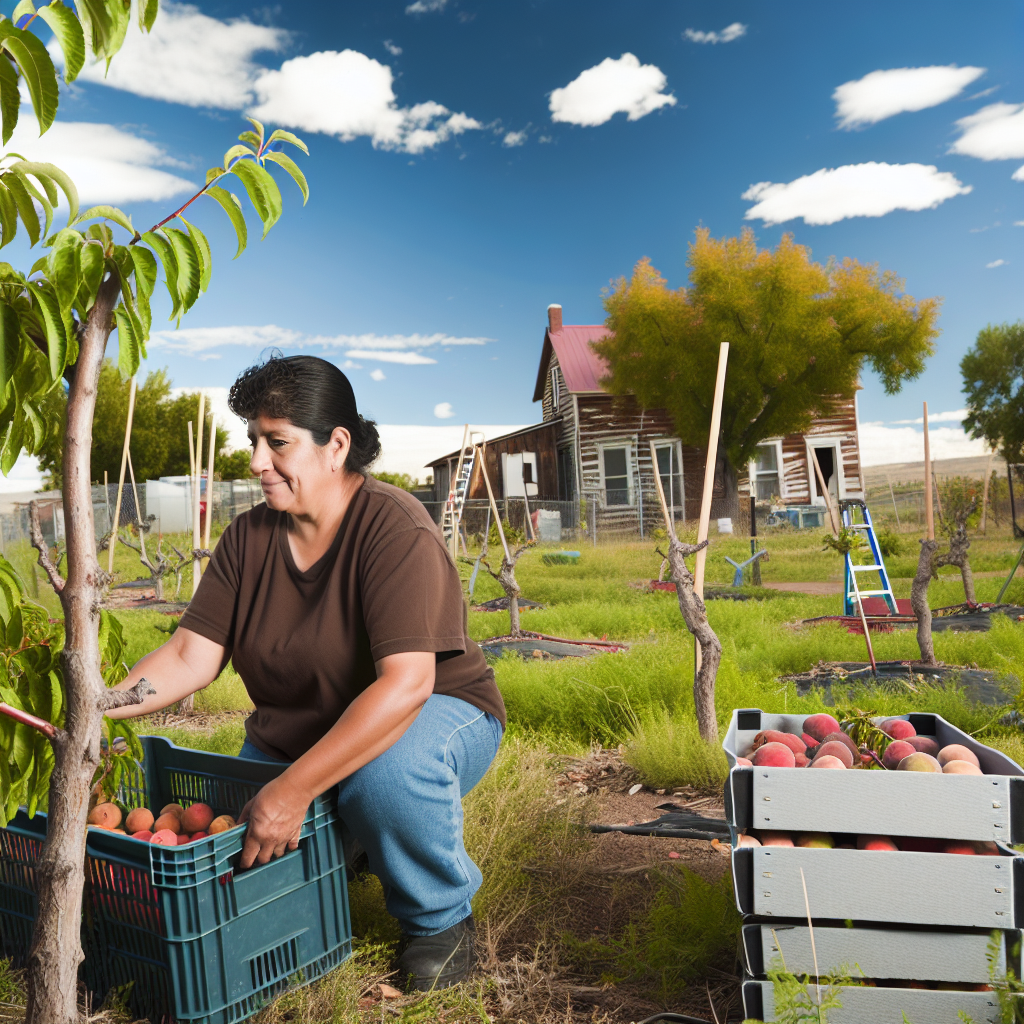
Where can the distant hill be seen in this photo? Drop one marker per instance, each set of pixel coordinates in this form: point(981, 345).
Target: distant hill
point(913, 472)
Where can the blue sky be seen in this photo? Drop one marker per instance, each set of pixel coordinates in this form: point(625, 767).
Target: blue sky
point(472, 162)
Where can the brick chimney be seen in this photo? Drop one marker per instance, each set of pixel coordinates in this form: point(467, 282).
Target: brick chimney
point(554, 318)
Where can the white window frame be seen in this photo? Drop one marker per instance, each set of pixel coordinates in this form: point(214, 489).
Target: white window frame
point(555, 389)
point(752, 467)
point(835, 442)
point(677, 445)
point(630, 483)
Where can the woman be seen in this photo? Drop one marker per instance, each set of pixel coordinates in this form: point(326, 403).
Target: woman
point(342, 612)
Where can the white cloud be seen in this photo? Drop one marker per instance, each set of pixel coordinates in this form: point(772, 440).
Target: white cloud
point(348, 94)
point(881, 444)
point(611, 87)
point(106, 163)
point(217, 405)
point(514, 139)
point(26, 477)
point(1018, 175)
point(444, 411)
point(188, 58)
point(377, 374)
point(956, 416)
point(995, 132)
point(404, 358)
point(995, 263)
point(727, 35)
point(853, 190)
point(196, 341)
point(395, 51)
point(407, 448)
point(882, 94)
point(426, 6)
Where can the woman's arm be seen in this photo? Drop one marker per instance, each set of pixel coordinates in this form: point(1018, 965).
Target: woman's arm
point(186, 663)
point(373, 722)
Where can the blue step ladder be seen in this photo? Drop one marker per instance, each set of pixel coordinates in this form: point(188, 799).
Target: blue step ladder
point(852, 594)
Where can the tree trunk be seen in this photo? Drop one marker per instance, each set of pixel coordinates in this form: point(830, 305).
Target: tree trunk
point(56, 948)
point(730, 485)
point(957, 555)
point(919, 601)
point(695, 616)
point(507, 579)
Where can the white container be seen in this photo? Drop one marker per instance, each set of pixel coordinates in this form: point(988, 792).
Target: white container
point(725, 526)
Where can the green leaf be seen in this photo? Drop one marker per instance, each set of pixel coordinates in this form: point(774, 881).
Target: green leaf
point(23, 200)
point(293, 169)
point(53, 324)
point(92, 264)
point(41, 199)
point(68, 29)
point(8, 213)
point(10, 337)
point(258, 125)
point(111, 213)
point(236, 152)
point(123, 266)
point(10, 99)
point(188, 267)
point(145, 269)
point(105, 23)
point(262, 189)
point(46, 174)
point(280, 135)
point(128, 350)
point(147, 14)
point(37, 71)
point(251, 138)
point(65, 266)
point(35, 421)
point(21, 9)
point(202, 247)
point(162, 247)
point(233, 208)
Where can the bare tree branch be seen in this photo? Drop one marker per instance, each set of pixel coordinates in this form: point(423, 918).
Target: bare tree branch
point(111, 699)
point(48, 729)
point(35, 532)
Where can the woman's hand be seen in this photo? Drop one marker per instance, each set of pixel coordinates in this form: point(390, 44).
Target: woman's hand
point(275, 816)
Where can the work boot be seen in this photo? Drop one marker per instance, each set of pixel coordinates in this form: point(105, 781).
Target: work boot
point(438, 961)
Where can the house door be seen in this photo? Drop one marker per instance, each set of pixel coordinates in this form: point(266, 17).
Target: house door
point(829, 461)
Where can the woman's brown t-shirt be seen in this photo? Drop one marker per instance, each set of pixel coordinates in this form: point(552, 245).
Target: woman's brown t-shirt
point(305, 643)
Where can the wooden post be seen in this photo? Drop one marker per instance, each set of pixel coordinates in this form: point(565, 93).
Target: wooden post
point(984, 493)
point(494, 504)
point(106, 497)
point(709, 475)
point(669, 525)
point(893, 496)
point(938, 496)
point(209, 485)
point(823, 487)
point(929, 515)
point(196, 481)
point(191, 453)
point(120, 479)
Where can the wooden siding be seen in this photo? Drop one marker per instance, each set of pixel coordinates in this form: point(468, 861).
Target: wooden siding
point(567, 432)
point(541, 441)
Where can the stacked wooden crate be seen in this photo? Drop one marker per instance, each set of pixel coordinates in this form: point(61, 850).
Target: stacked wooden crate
point(916, 930)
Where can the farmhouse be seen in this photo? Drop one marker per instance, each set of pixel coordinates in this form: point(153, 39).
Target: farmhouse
point(594, 446)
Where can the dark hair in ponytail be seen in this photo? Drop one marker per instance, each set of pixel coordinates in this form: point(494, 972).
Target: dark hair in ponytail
point(311, 393)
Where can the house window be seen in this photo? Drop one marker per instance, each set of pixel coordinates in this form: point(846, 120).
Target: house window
point(670, 469)
point(615, 470)
point(765, 476)
point(554, 388)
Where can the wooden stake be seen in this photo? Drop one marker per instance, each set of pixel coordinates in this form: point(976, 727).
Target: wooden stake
point(709, 475)
point(893, 496)
point(196, 480)
point(209, 486)
point(494, 504)
point(984, 493)
point(669, 525)
point(823, 487)
point(191, 453)
point(929, 515)
point(938, 496)
point(120, 479)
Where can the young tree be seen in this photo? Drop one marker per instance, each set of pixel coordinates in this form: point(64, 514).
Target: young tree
point(55, 322)
point(799, 334)
point(993, 374)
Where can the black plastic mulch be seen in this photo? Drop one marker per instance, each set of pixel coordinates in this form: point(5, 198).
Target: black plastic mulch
point(541, 647)
point(679, 823)
point(500, 604)
point(982, 685)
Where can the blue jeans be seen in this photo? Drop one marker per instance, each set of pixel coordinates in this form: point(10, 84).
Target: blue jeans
point(405, 809)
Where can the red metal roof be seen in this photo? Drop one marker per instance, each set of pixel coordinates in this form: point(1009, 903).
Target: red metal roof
point(581, 366)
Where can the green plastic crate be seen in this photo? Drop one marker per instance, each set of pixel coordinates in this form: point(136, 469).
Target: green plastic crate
point(177, 931)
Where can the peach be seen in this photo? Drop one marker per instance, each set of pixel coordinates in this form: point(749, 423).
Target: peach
point(835, 749)
point(919, 762)
point(828, 761)
point(225, 821)
point(819, 726)
point(876, 843)
point(105, 815)
point(815, 841)
point(744, 841)
point(139, 820)
point(957, 752)
point(920, 844)
point(164, 837)
point(961, 768)
point(176, 809)
point(986, 848)
point(744, 762)
point(199, 835)
point(840, 737)
point(895, 752)
point(926, 744)
point(184, 838)
point(170, 822)
point(802, 760)
point(776, 839)
point(898, 728)
point(808, 740)
point(960, 846)
point(145, 835)
point(774, 736)
point(197, 818)
point(773, 755)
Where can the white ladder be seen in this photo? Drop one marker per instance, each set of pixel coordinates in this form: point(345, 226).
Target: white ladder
point(459, 490)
